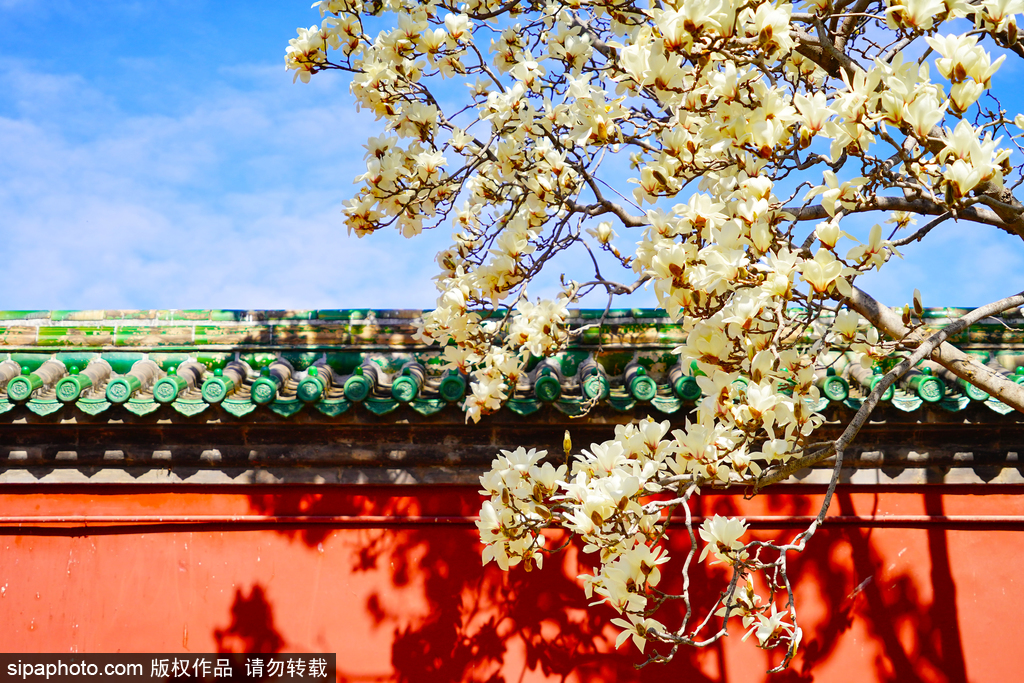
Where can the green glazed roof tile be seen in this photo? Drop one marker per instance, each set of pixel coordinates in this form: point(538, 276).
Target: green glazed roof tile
point(650, 313)
point(122, 361)
point(428, 406)
point(667, 404)
point(241, 335)
point(347, 338)
point(570, 407)
point(363, 314)
point(238, 408)
point(59, 316)
point(122, 314)
point(286, 408)
point(333, 407)
point(955, 403)
point(622, 403)
point(998, 406)
point(44, 407)
point(312, 335)
point(76, 336)
point(523, 406)
point(190, 408)
point(24, 315)
point(592, 314)
point(168, 360)
point(331, 314)
point(177, 335)
point(187, 315)
point(947, 312)
point(17, 336)
point(283, 315)
point(377, 336)
point(380, 406)
point(225, 315)
point(141, 407)
point(29, 361)
point(396, 314)
point(344, 314)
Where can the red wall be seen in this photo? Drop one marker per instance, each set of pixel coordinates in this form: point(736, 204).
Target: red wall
point(905, 585)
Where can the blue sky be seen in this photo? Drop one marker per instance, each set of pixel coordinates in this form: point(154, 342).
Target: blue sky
point(157, 155)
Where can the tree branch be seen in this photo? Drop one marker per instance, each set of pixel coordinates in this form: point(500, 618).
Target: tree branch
point(933, 345)
point(918, 205)
point(924, 230)
point(946, 355)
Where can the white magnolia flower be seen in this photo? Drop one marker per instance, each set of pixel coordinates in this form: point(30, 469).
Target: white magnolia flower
point(722, 536)
point(636, 628)
point(704, 106)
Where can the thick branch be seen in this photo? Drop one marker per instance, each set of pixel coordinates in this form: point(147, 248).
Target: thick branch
point(1002, 202)
point(946, 355)
point(918, 205)
point(604, 206)
point(933, 345)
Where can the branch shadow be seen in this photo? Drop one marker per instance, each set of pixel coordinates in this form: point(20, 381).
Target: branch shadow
point(449, 619)
point(252, 628)
point(848, 575)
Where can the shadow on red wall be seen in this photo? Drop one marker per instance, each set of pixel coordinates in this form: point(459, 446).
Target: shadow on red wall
point(484, 625)
point(252, 628)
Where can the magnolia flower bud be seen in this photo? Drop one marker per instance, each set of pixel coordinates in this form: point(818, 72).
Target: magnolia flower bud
point(828, 233)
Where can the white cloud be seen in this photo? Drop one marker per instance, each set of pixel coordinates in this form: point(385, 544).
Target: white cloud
point(230, 197)
point(234, 203)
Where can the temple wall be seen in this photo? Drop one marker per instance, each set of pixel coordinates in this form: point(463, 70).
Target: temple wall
point(903, 583)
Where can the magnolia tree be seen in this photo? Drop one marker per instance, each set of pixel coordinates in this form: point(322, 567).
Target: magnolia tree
point(731, 140)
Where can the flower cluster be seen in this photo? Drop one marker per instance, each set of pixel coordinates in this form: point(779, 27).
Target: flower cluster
point(609, 500)
point(601, 500)
point(511, 123)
